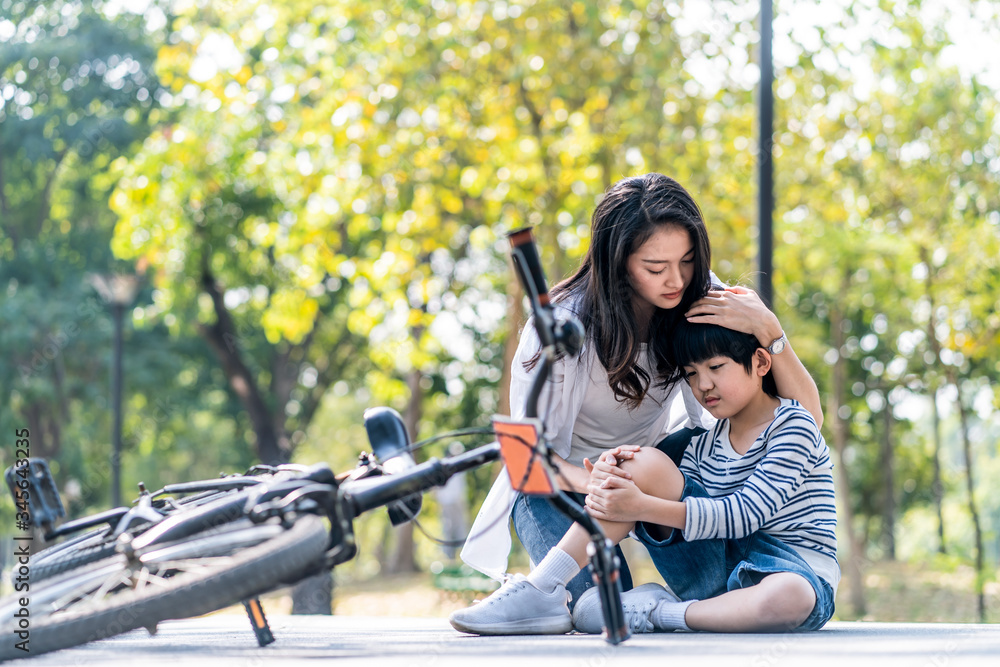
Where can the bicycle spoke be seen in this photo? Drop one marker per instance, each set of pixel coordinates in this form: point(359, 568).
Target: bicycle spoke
point(154, 580)
point(81, 596)
point(109, 583)
point(175, 567)
point(154, 575)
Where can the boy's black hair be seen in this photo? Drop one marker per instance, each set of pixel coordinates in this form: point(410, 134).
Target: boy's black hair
point(693, 343)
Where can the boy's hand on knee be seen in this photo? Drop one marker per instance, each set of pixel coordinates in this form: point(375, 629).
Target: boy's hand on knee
point(606, 466)
point(615, 499)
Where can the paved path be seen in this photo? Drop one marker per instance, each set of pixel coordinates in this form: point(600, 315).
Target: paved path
point(226, 641)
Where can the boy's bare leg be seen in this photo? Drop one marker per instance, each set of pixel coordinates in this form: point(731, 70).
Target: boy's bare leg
point(576, 539)
point(779, 603)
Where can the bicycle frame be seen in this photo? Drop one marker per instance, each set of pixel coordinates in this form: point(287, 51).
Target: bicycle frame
point(566, 337)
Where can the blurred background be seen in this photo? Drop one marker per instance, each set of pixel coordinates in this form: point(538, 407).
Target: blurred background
point(276, 214)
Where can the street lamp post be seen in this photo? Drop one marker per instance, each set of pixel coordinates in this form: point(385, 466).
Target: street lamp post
point(765, 194)
point(119, 292)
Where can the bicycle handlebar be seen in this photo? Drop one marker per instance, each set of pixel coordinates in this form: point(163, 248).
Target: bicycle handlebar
point(559, 333)
point(524, 254)
point(369, 493)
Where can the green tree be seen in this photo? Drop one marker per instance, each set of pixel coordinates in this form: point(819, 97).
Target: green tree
point(77, 91)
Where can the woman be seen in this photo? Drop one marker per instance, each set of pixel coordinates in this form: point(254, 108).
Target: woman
point(647, 267)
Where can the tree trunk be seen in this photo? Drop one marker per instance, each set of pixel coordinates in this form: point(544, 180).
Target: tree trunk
point(34, 412)
point(314, 595)
point(11, 229)
point(888, 484)
point(403, 558)
point(453, 499)
point(937, 487)
point(854, 549)
point(224, 340)
point(973, 509)
point(547, 234)
point(515, 313)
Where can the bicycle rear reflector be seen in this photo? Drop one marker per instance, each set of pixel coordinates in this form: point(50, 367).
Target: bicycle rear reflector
point(519, 449)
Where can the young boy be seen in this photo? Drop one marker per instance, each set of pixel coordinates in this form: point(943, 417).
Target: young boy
point(743, 532)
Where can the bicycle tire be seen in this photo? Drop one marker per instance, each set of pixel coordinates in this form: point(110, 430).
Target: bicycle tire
point(281, 558)
point(61, 558)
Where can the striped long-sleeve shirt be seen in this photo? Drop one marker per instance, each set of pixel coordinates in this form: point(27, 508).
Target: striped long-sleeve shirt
point(782, 486)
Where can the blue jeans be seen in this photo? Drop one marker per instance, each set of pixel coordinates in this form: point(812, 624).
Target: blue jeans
point(703, 569)
point(540, 526)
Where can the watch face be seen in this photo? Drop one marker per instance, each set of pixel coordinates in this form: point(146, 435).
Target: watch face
point(777, 346)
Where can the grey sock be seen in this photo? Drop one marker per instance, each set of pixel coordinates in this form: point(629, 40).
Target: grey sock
point(670, 615)
point(558, 567)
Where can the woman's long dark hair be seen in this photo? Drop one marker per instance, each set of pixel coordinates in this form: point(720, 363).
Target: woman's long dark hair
point(628, 215)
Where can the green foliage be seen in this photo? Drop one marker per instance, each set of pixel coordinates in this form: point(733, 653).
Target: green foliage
point(320, 193)
point(897, 173)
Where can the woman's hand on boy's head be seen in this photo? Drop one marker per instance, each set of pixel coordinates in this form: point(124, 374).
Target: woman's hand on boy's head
point(739, 309)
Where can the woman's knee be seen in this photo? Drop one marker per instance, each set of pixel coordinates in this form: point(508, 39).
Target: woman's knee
point(654, 473)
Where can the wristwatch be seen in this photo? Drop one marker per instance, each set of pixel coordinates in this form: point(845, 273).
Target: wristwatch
point(778, 344)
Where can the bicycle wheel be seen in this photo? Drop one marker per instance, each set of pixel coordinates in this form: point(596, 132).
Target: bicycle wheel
point(100, 543)
point(187, 578)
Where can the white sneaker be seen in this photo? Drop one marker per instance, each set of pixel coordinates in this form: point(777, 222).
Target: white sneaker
point(638, 605)
point(517, 608)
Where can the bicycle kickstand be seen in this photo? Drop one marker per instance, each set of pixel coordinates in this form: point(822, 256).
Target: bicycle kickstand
point(604, 568)
point(258, 621)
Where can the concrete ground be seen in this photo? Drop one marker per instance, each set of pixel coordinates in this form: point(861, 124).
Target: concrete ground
point(226, 641)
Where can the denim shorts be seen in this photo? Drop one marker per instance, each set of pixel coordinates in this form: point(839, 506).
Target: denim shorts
point(703, 569)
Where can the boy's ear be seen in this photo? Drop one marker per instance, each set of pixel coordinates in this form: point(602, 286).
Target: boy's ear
point(762, 362)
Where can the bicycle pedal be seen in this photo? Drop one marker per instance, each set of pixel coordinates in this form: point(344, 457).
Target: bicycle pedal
point(258, 621)
point(35, 493)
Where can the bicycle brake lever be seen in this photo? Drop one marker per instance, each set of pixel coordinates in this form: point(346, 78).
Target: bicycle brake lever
point(569, 334)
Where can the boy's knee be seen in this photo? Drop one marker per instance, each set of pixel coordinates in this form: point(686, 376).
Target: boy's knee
point(643, 459)
point(790, 602)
